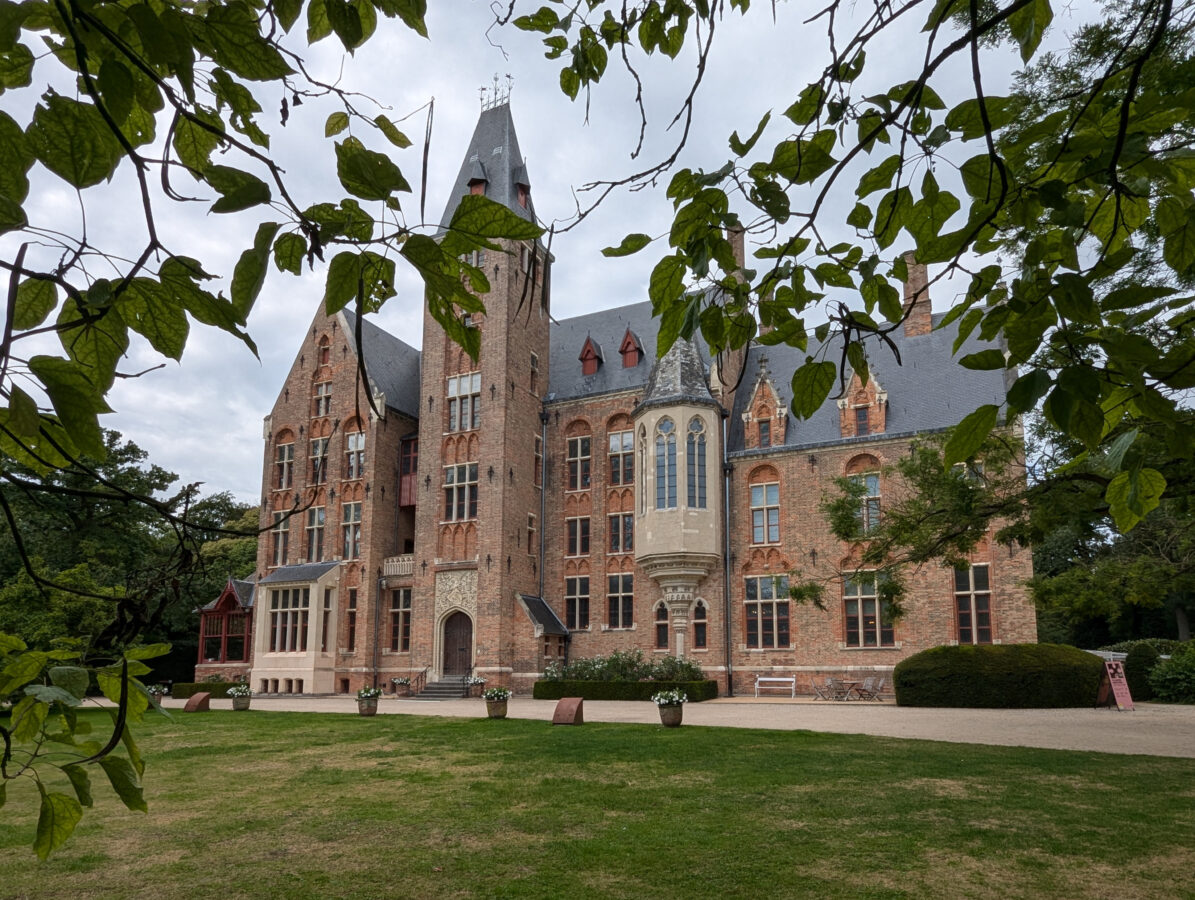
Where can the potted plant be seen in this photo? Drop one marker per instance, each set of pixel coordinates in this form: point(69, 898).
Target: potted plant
point(367, 700)
point(476, 685)
point(671, 706)
point(240, 695)
point(495, 701)
point(157, 691)
point(402, 686)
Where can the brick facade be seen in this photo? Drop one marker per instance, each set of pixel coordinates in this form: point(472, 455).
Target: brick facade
point(519, 493)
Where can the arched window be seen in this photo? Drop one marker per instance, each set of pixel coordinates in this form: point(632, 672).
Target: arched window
point(661, 627)
point(665, 465)
point(695, 463)
point(700, 620)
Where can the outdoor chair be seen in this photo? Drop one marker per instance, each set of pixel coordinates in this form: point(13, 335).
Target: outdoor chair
point(819, 693)
point(838, 690)
point(867, 690)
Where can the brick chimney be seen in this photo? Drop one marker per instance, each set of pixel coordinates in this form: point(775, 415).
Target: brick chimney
point(918, 311)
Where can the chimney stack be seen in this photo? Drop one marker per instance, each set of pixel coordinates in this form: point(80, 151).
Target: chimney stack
point(918, 311)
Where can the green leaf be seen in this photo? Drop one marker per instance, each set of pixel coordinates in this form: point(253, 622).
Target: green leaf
point(124, 780)
point(340, 287)
point(289, 251)
point(72, 140)
point(36, 299)
point(131, 748)
point(56, 821)
point(337, 122)
point(393, 135)
point(146, 651)
point(860, 216)
point(12, 217)
point(1176, 220)
point(239, 190)
point(236, 42)
point(410, 12)
point(250, 272)
point(365, 174)
point(287, 12)
point(70, 678)
point(742, 148)
point(27, 717)
point(149, 309)
point(968, 436)
point(94, 340)
point(967, 117)
point(81, 782)
point(16, 67)
point(23, 417)
point(15, 159)
point(667, 283)
point(984, 360)
point(1027, 390)
point(808, 105)
point(1132, 495)
point(115, 82)
point(48, 694)
point(879, 177)
point(632, 243)
point(1028, 24)
point(892, 214)
point(193, 143)
point(811, 386)
point(479, 219)
point(76, 399)
point(346, 23)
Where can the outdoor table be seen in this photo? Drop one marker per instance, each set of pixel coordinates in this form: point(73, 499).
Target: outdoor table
point(850, 686)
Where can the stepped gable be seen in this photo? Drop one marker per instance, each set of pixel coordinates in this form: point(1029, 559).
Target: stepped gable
point(392, 365)
point(927, 392)
point(607, 328)
point(493, 157)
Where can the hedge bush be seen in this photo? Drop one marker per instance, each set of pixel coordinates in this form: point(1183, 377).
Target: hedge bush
point(622, 690)
point(625, 665)
point(999, 676)
point(182, 690)
point(1140, 661)
point(1173, 679)
point(1165, 646)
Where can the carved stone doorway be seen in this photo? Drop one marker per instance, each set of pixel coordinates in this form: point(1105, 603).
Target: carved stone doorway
point(458, 644)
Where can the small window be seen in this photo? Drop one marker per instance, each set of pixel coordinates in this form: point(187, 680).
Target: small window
point(323, 399)
point(700, 620)
point(661, 627)
point(284, 466)
point(665, 465)
point(765, 435)
point(352, 621)
point(576, 603)
point(973, 605)
point(351, 526)
point(621, 599)
point(862, 421)
point(765, 513)
point(767, 607)
point(621, 457)
point(869, 505)
point(868, 620)
point(578, 536)
point(622, 532)
point(579, 449)
point(400, 620)
point(464, 402)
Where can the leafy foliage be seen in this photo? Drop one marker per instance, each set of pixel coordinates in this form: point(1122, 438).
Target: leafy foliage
point(625, 665)
point(1174, 679)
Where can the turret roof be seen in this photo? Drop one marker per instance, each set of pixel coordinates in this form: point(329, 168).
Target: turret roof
point(494, 156)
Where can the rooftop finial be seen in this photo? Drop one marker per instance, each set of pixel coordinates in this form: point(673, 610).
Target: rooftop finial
point(497, 95)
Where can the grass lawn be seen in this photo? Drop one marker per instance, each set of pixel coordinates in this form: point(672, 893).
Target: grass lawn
point(306, 805)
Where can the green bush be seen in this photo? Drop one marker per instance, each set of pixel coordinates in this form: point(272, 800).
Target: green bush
point(1164, 646)
point(999, 676)
point(182, 690)
point(1173, 679)
point(625, 665)
point(622, 690)
point(1140, 661)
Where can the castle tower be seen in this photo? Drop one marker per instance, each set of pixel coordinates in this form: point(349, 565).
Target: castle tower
point(679, 504)
point(479, 499)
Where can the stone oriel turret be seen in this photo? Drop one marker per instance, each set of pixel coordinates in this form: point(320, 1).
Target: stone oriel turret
point(678, 508)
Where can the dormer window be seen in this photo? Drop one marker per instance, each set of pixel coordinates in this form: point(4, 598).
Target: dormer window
point(591, 357)
point(631, 350)
point(524, 195)
point(477, 187)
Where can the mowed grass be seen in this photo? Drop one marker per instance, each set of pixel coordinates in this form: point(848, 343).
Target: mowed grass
point(299, 805)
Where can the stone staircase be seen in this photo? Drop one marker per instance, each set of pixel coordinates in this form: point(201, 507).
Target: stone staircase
point(451, 687)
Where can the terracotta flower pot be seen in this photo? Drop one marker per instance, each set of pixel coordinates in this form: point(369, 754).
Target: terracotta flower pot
point(496, 709)
point(670, 716)
point(367, 706)
point(241, 702)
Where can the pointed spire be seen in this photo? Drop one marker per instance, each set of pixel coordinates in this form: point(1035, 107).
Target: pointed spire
point(678, 377)
point(493, 163)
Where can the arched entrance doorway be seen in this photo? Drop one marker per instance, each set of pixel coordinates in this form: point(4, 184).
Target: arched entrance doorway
point(458, 644)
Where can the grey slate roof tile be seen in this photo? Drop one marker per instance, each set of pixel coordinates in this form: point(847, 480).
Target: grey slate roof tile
point(393, 365)
point(543, 615)
point(304, 573)
point(494, 155)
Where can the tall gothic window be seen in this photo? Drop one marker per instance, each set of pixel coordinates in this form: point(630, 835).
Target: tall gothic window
point(464, 402)
point(695, 464)
point(665, 465)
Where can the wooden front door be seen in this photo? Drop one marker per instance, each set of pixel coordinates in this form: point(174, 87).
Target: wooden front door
point(458, 644)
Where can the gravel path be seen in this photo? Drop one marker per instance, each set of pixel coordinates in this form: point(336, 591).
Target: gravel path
point(1152, 729)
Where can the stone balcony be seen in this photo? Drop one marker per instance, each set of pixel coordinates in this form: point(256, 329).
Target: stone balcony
point(399, 565)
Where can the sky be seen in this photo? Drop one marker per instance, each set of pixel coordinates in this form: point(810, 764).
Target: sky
point(203, 418)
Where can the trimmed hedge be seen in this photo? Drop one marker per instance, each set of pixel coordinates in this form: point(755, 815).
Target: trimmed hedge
point(1138, 663)
point(1173, 680)
point(622, 690)
point(999, 676)
point(182, 690)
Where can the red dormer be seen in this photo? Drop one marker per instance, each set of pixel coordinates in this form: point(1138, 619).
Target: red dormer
point(631, 350)
point(591, 357)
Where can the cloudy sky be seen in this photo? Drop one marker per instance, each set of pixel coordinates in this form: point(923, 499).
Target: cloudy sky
point(203, 418)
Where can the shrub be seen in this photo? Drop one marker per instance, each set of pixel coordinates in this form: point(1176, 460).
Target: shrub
point(999, 676)
point(673, 668)
point(622, 690)
point(1140, 661)
point(182, 690)
point(1173, 679)
point(1164, 646)
point(624, 665)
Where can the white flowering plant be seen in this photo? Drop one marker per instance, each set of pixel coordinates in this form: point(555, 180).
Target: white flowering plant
point(475, 679)
point(669, 698)
point(368, 693)
point(158, 690)
point(496, 693)
point(401, 679)
point(239, 690)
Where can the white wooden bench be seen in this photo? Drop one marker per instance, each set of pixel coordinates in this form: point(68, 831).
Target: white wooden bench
point(775, 681)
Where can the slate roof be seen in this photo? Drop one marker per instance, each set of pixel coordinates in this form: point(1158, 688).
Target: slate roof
point(607, 327)
point(300, 574)
point(927, 391)
point(494, 155)
point(393, 365)
point(543, 615)
point(244, 591)
point(679, 377)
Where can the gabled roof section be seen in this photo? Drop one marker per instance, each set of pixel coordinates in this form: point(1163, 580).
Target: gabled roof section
point(591, 349)
point(239, 591)
point(542, 616)
point(392, 365)
point(929, 391)
point(493, 156)
point(608, 327)
point(304, 573)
